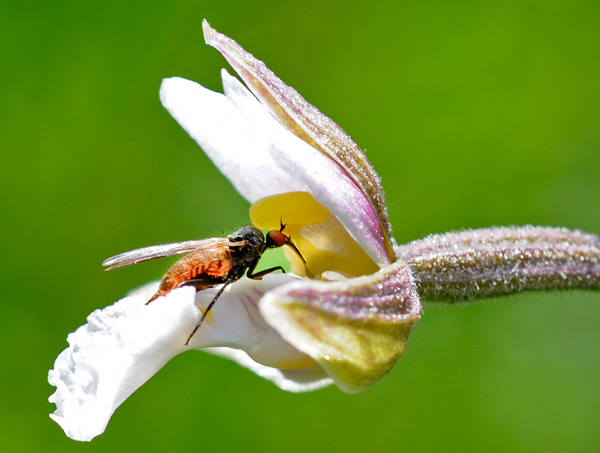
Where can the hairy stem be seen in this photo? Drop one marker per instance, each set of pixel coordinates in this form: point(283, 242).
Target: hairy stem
point(490, 262)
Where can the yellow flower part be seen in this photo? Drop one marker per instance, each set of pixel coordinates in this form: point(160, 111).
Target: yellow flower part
point(324, 243)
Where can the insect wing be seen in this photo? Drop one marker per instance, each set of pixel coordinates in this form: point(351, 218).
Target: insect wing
point(160, 251)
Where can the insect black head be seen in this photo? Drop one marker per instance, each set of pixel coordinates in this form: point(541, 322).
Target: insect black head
point(248, 233)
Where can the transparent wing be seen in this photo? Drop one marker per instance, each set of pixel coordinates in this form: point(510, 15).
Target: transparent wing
point(160, 251)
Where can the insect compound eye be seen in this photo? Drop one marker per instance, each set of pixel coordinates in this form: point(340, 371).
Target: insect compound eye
point(276, 239)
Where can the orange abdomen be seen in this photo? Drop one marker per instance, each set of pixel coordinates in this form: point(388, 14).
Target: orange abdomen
point(206, 265)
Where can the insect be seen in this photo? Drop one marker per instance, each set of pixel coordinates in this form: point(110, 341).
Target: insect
point(211, 262)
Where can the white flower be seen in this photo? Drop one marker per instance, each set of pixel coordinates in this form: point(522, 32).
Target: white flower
point(344, 318)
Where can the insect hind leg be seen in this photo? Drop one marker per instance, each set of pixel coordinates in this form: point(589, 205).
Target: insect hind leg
point(208, 308)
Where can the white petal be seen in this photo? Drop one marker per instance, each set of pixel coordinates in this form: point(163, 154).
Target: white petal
point(238, 144)
point(111, 356)
point(125, 344)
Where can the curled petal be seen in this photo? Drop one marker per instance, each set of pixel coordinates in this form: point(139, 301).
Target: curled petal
point(307, 122)
point(355, 329)
point(476, 264)
point(125, 344)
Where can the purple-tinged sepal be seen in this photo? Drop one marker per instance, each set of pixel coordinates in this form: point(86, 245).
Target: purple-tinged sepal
point(355, 329)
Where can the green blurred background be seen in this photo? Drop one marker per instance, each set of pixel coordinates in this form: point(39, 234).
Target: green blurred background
point(474, 113)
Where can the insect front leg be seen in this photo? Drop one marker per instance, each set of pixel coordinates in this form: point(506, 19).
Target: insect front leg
point(258, 275)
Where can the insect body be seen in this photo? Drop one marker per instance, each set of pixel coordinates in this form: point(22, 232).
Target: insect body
point(210, 262)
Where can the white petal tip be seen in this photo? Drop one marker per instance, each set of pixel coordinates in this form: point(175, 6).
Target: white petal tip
point(117, 351)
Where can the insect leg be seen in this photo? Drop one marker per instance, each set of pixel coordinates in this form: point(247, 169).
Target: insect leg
point(208, 308)
point(261, 274)
point(258, 275)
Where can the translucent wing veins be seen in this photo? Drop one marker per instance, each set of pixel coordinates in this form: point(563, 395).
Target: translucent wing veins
point(163, 250)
